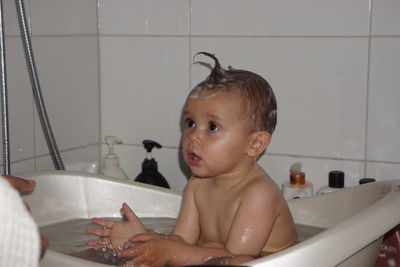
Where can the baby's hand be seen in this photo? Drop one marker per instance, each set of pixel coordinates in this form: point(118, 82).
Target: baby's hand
point(152, 250)
point(118, 232)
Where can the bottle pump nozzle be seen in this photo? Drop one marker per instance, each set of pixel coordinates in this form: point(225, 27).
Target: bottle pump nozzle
point(111, 161)
point(150, 173)
point(149, 145)
point(111, 141)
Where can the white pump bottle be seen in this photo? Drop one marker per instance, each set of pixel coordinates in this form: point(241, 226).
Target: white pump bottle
point(111, 161)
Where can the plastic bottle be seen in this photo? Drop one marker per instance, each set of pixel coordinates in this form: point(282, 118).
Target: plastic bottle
point(297, 187)
point(150, 174)
point(336, 182)
point(111, 161)
point(389, 253)
point(366, 180)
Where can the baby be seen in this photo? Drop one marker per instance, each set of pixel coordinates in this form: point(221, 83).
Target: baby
point(231, 211)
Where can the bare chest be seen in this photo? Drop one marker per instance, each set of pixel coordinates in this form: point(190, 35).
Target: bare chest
point(217, 212)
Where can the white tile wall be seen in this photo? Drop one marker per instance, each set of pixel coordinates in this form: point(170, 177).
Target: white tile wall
point(80, 154)
point(384, 95)
point(144, 17)
point(327, 72)
point(383, 171)
point(10, 17)
point(20, 103)
point(144, 83)
point(70, 86)
point(59, 17)
point(23, 166)
point(307, 74)
point(66, 58)
point(385, 17)
point(276, 17)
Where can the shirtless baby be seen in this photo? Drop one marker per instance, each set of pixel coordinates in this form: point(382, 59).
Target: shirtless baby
point(231, 211)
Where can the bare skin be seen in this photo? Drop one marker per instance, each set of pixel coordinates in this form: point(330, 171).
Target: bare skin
point(119, 231)
point(230, 208)
point(20, 184)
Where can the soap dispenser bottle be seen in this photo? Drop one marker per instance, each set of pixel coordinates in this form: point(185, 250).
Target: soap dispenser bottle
point(335, 182)
point(150, 174)
point(111, 161)
point(297, 187)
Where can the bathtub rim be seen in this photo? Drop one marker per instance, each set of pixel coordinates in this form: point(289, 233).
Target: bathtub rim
point(316, 245)
point(331, 239)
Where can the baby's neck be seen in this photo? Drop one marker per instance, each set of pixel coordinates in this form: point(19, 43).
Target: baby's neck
point(242, 176)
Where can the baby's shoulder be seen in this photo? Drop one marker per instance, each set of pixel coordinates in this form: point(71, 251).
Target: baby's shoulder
point(263, 187)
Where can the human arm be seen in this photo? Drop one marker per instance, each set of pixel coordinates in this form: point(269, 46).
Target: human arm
point(159, 251)
point(118, 232)
point(20, 184)
point(44, 244)
point(248, 234)
point(187, 226)
point(254, 219)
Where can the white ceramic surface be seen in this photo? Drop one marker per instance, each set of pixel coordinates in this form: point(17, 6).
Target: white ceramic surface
point(385, 17)
point(144, 17)
point(74, 109)
point(383, 125)
point(355, 217)
point(144, 83)
point(277, 18)
point(67, 17)
point(20, 103)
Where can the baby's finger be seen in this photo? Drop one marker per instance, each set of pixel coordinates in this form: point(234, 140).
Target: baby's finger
point(128, 212)
point(103, 222)
point(139, 261)
point(98, 231)
point(99, 243)
point(92, 243)
point(130, 252)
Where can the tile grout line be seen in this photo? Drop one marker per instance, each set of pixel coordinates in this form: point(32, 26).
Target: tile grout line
point(99, 155)
point(367, 91)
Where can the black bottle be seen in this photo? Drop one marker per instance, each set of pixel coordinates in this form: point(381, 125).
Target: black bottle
point(150, 174)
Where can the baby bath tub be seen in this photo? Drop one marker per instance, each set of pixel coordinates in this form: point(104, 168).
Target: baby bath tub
point(343, 228)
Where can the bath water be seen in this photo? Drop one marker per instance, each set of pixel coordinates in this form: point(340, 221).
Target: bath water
point(69, 237)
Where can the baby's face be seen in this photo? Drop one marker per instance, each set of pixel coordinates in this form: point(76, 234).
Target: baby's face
point(215, 138)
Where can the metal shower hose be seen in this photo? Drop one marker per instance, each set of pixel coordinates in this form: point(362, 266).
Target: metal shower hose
point(37, 92)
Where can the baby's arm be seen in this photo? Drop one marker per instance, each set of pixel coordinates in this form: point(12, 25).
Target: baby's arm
point(249, 232)
point(254, 220)
point(187, 225)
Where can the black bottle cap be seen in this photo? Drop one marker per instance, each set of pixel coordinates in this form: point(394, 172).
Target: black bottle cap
point(366, 180)
point(150, 144)
point(336, 179)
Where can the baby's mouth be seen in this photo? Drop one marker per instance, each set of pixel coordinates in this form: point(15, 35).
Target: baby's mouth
point(193, 156)
point(193, 159)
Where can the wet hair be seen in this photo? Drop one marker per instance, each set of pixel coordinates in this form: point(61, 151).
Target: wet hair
point(254, 91)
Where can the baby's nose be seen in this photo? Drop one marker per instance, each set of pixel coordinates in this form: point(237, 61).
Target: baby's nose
point(195, 136)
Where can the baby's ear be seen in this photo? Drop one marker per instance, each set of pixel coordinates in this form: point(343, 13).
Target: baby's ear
point(258, 143)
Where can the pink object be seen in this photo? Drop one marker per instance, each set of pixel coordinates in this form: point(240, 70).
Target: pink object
point(389, 254)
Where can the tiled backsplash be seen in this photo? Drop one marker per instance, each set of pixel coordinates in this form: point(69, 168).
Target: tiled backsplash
point(124, 68)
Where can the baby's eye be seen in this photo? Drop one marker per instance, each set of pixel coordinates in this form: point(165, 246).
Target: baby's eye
point(213, 127)
point(189, 123)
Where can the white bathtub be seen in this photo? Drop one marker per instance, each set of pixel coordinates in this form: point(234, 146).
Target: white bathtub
point(355, 218)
